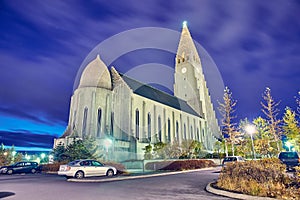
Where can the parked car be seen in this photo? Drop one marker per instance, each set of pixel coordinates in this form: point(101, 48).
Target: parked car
point(20, 167)
point(86, 168)
point(229, 159)
point(290, 159)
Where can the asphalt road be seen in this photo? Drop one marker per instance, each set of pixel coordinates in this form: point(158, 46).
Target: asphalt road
point(52, 187)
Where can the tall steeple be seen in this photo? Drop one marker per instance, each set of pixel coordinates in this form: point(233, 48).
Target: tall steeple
point(188, 72)
point(186, 48)
point(190, 84)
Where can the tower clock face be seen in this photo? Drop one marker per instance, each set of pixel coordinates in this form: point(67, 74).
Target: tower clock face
point(183, 70)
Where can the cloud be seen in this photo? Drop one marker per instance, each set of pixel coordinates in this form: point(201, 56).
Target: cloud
point(42, 45)
point(25, 138)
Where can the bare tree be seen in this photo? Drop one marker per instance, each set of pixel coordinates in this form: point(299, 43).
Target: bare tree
point(269, 108)
point(226, 109)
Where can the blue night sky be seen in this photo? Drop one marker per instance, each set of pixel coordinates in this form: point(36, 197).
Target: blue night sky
point(254, 44)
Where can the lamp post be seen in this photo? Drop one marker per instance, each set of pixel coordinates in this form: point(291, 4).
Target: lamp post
point(250, 129)
point(13, 155)
point(27, 157)
point(43, 155)
point(107, 144)
point(288, 144)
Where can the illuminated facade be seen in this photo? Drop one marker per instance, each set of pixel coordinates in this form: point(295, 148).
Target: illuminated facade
point(110, 106)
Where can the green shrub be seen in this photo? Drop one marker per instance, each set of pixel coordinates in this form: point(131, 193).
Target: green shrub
point(179, 165)
point(265, 177)
point(54, 167)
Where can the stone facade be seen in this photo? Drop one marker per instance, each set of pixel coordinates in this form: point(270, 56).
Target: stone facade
point(124, 115)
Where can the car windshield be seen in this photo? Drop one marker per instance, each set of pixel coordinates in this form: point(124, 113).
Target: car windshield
point(288, 155)
point(17, 164)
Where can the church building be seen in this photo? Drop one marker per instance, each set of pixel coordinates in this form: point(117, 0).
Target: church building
point(125, 115)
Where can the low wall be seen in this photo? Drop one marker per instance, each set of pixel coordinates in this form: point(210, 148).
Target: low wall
point(140, 164)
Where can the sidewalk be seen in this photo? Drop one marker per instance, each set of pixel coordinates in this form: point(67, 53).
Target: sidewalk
point(135, 175)
point(138, 174)
point(224, 193)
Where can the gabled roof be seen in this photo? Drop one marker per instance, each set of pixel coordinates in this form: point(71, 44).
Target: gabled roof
point(158, 96)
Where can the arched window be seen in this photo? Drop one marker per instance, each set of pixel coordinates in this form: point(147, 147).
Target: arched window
point(137, 124)
point(159, 128)
point(74, 120)
point(85, 113)
point(149, 127)
point(169, 130)
point(99, 115)
point(177, 131)
point(112, 118)
point(184, 131)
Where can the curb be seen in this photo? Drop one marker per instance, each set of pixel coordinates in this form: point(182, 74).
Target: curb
point(224, 193)
point(134, 177)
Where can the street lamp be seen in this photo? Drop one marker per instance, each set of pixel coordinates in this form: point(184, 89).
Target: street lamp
point(13, 155)
point(107, 144)
point(27, 157)
point(43, 155)
point(288, 144)
point(250, 129)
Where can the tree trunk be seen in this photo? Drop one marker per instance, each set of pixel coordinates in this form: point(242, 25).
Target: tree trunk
point(226, 149)
point(278, 146)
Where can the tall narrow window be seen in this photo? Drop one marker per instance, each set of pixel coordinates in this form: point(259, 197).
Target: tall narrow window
point(137, 124)
point(112, 118)
point(149, 127)
point(85, 113)
point(74, 120)
point(177, 131)
point(159, 128)
point(198, 135)
point(184, 131)
point(192, 134)
point(99, 122)
point(169, 130)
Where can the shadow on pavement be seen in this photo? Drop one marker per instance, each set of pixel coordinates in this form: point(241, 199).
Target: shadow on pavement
point(6, 194)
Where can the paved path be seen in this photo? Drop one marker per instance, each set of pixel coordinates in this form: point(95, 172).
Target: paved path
point(172, 187)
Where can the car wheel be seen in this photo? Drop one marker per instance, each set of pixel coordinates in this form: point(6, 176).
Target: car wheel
point(10, 171)
point(79, 174)
point(33, 171)
point(110, 172)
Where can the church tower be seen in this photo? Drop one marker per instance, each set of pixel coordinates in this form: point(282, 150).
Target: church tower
point(190, 84)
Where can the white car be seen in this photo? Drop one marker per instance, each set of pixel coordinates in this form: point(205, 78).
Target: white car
point(86, 168)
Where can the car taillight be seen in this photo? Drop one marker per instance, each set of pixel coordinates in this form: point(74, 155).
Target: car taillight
point(68, 168)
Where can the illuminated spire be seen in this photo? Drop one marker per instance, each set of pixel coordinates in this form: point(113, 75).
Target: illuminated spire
point(186, 45)
point(184, 24)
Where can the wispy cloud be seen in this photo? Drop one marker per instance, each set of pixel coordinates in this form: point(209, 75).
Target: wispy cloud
point(26, 139)
point(42, 45)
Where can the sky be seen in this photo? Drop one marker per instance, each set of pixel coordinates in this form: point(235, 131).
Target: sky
point(43, 44)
